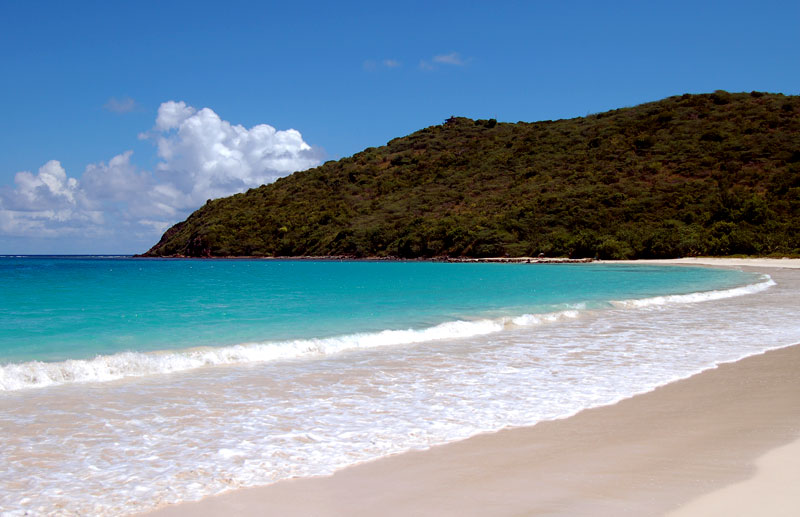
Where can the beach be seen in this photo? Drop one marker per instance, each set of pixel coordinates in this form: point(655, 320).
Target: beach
point(304, 384)
point(692, 446)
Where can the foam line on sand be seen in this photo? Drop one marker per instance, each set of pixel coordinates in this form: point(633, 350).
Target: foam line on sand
point(645, 455)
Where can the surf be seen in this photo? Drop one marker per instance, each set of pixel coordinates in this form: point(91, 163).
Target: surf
point(113, 367)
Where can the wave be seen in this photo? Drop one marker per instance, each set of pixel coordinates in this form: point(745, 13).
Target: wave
point(35, 374)
point(136, 364)
point(700, 296)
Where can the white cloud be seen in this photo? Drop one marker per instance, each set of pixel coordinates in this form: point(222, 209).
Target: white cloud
point(119, 188)
point(117, 181)
point(122, 105)
point(51, 186)
point(372, 65)
point(201, 157)
point(453, 58)
point(47, 203)
point(205, 157)
point(171, 114)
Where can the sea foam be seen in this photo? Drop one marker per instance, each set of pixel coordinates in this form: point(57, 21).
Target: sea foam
point(702, 296)
point(103, 368)
point(124, 448)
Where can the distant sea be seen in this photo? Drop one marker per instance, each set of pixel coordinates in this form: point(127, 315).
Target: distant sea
point(126, 383)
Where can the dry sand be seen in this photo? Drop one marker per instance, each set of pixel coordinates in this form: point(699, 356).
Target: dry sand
point(772, 491)
point(789, 263)
point(726, 441)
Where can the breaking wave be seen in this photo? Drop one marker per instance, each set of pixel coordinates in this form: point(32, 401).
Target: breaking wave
point(702, 296)
point(33, 374)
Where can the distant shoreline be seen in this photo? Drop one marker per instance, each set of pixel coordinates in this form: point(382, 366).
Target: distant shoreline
point(769, 262)
point(763, 262)
point(342, 258)
point(784, 262)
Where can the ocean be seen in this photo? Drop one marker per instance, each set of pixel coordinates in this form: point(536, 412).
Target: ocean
point(129, 383)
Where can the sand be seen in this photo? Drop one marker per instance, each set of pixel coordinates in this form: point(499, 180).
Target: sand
point(788, 263)
point(771, 491)
point(723, 442)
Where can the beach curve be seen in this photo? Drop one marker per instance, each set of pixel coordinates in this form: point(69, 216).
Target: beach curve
point(645, 455)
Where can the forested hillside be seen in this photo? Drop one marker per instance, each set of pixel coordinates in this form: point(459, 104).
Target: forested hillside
point(714, 174)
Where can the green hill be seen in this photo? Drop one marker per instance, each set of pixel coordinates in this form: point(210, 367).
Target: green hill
point(714, 174)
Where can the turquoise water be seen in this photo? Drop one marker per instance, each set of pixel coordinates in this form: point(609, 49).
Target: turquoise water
point(129, 384)
point(59, 308)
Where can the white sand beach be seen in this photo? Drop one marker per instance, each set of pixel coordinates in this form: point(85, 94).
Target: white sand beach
point(789, 263)
point(722, 442)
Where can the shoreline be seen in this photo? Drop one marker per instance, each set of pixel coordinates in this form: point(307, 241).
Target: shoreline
point(769, 262)
point(765, 262)
point(619, 459)
point(644, 455)
point(349, 258)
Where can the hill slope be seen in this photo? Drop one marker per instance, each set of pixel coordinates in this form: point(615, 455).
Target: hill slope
point(713, 174)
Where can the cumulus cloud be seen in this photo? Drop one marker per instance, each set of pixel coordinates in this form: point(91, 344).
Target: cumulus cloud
point(50, 187)
point(204, 157)
point(122, 105)
point(391, 63)
point(47, 203)
point(200, 156)
point(171, 114)
point(116, 181)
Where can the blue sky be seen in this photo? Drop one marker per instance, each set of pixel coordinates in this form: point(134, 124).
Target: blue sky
point(120, 118)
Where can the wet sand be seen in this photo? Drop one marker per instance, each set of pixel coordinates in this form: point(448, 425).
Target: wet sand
point(733, 430)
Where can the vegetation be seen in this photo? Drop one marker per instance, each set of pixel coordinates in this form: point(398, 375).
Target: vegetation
point(714, 174)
